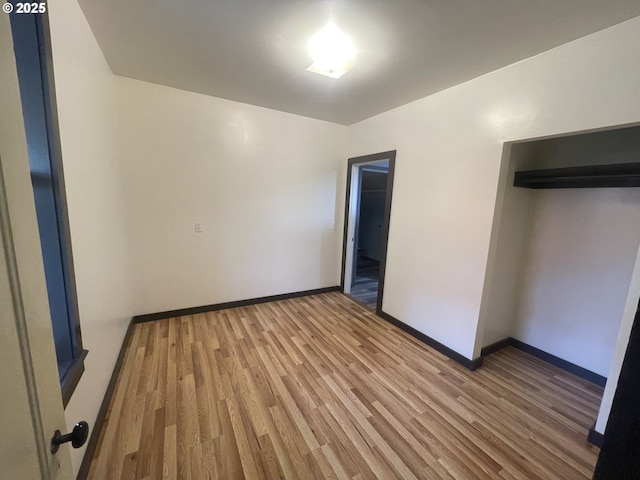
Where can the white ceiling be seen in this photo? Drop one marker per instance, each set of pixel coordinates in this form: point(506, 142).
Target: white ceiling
point(254, 51)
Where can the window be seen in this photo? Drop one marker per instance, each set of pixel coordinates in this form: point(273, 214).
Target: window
point(35, 75)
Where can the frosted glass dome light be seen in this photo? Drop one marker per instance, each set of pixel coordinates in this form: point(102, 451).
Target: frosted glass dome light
point(331, 49)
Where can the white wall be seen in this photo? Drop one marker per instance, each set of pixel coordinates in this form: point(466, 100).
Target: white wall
point(449, 153)
point(89, 135)
point(510, 236)
point(578, 268)
point(263, 183)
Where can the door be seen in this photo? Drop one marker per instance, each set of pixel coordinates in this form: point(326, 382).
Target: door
point(31, 401)
point(357, 172)
point(619, 457)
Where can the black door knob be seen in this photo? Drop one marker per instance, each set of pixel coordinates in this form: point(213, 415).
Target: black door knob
point(77, 437)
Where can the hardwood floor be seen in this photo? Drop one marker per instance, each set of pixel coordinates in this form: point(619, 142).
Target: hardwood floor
point(319, 387)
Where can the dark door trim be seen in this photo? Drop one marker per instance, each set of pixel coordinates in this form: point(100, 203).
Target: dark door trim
point(391, 156)
point(620, 453)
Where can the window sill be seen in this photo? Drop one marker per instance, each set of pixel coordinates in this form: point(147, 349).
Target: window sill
point(72, 377)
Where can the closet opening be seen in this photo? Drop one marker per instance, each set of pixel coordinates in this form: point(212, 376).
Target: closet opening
point(564, 243)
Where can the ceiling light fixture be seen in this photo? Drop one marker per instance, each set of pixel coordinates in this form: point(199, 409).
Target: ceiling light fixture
point(332, 51)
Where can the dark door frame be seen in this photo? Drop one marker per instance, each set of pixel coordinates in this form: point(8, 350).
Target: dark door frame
point(619, 457)
point(391, 156)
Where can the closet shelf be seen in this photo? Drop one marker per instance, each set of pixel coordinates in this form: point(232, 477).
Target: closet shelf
point(591, 176)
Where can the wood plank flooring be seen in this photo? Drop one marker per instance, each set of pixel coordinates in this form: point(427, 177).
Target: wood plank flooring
point(321, 388)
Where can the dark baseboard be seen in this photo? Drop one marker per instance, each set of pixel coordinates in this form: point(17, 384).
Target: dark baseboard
point(149, 317)
point(452, 354)
point(595, 438)
point(547, 357)
point(83, 473)
point(559, 362)
point(494, 347)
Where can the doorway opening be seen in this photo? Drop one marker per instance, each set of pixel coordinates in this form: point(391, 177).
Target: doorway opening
point(366, 231)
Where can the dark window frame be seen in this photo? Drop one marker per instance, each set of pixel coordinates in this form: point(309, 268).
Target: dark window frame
point(37, 28)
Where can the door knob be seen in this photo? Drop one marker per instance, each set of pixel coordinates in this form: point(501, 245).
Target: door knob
point(77, 437)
